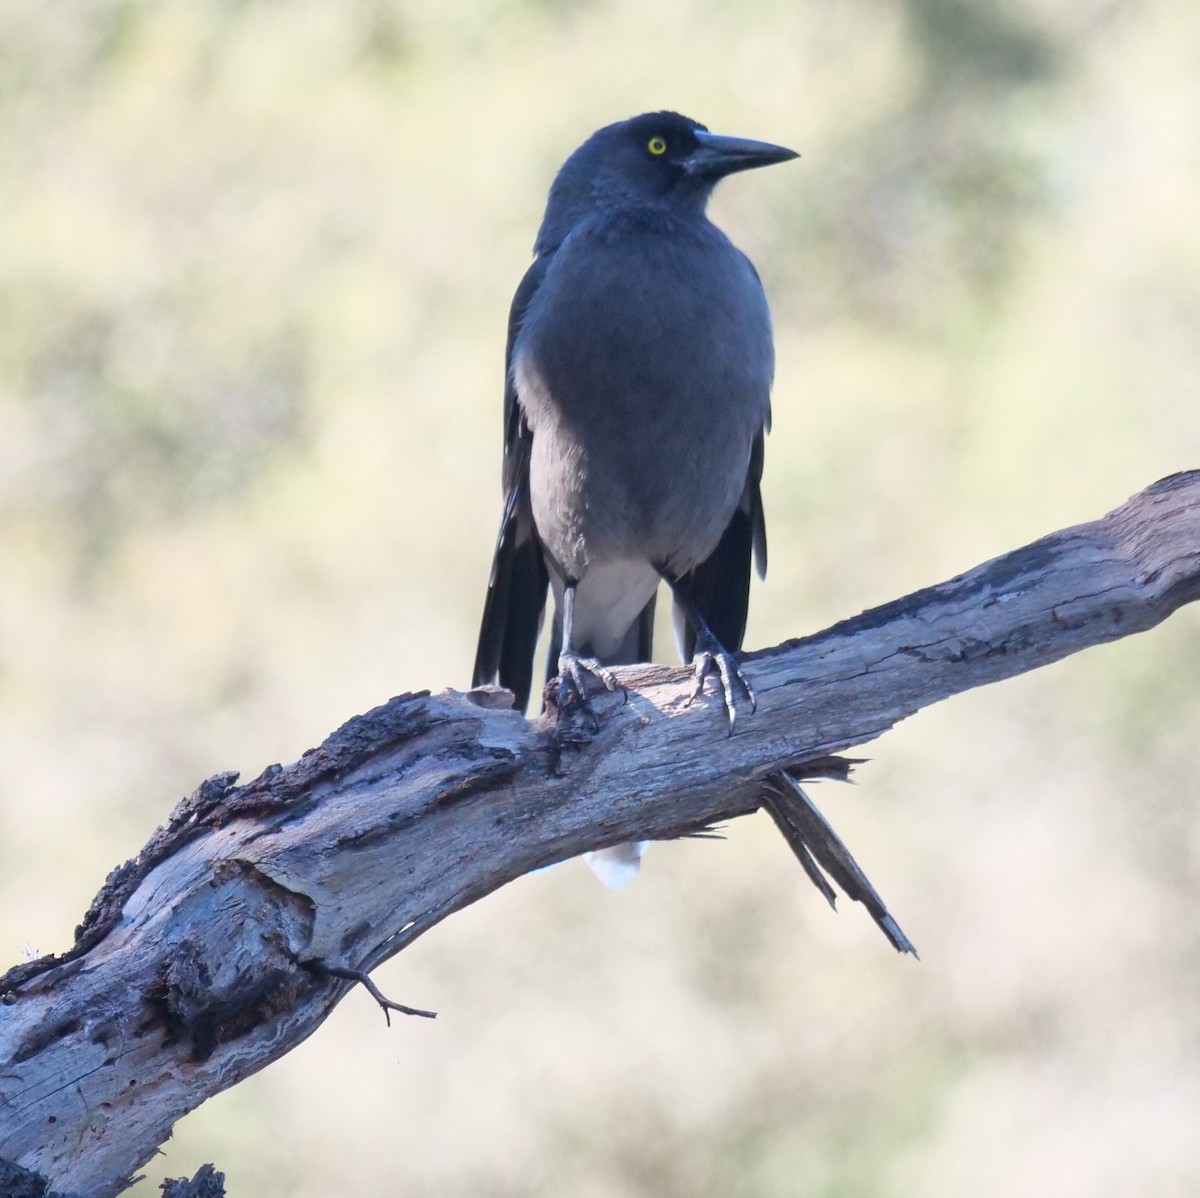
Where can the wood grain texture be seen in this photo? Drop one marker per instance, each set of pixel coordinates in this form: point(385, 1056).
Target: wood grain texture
point(197, 964)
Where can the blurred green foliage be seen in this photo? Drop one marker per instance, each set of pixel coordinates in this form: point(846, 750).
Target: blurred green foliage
point(255, 261)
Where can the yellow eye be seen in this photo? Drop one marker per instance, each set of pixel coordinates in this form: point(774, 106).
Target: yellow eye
point(657, 146)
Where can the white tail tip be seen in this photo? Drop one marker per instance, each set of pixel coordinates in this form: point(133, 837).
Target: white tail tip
point(618, 866)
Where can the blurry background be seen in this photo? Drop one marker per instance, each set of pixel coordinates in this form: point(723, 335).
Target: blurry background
point(255, 263)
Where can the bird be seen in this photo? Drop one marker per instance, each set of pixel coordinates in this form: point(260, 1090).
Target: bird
point(638, 371)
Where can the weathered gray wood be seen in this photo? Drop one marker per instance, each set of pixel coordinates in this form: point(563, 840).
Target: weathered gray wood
point(207, 1183)
point(194, 967)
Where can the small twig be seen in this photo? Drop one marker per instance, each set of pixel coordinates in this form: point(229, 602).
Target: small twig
point(364, 979)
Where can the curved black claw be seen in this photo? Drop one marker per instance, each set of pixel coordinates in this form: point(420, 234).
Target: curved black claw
point(713, 657)
point(572, 693)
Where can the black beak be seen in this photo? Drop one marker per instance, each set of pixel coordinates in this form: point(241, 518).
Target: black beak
point(718, 155)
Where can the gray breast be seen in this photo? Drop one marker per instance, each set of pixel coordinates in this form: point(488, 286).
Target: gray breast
point(644, 368)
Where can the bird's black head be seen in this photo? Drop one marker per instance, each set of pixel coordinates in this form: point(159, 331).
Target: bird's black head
point(659, 157)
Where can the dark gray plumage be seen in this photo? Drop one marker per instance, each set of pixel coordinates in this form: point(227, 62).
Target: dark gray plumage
point(639, 369)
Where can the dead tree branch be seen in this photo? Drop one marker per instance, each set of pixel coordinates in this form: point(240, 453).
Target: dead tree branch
point(237, 929)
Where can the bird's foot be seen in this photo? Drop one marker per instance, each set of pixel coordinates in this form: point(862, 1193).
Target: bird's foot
point(713, 658)
point(572, 692)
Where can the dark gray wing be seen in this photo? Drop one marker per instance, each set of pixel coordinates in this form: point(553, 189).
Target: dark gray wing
point(516, 597)
point(719, 587)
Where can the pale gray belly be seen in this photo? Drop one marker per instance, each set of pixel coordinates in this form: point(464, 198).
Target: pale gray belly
point(661, 497)
point(608, 599)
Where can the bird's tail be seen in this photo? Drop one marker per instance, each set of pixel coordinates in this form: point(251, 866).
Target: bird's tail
point(618, 866)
